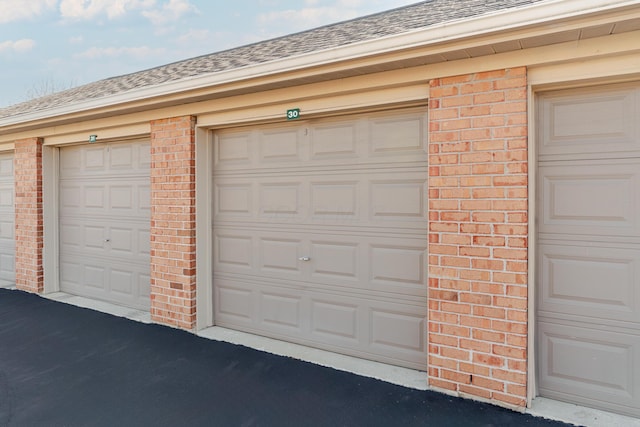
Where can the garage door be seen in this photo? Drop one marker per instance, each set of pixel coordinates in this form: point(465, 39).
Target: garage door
point(588, 259)
point(105, 222)
point(7, 228)
point(320, 234)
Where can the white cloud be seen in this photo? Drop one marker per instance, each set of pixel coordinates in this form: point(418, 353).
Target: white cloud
point(169, 11)
point(159, 13)
point(76, 40)
point(89, 9)
point(114, 52)
point(20, 46)
point(15, 10)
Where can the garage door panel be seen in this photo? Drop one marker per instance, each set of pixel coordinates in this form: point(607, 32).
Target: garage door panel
point(588, 250)
point(280, 199)
point(119, 159)
point(337, 260)
point(233, 149)
point(121, 197)
point(126, 240)
point(281, 146)
point(105, 198)
point(397, 267)
point(94, 276)
point(601, 281)
point(234, 200)
point(7, 221)
point(6, 193)
point(71, 237)
point(71, 273)
point(95, 158)
point(336, 321)
point(350, 261)
point(400, 134)
point(397, 202)
point(104, 222)
point(280, 255)
point(144, 286)
point(335, 199)
point(280, 310)
point(7, 231)
point(598, 121)
point(94, 236)
point(125, 157)
point(334, 141)
point(71, 162)
point(591, 199)
point(122, 281)
point(320, 233)
point(234, 302)
point(592, 367)
point(398, 199)
point(377, 139)
point(144, 198)
point(233, 251)
point(70, 196)
point(360, 198)
point(94, 197)
point(7, 265)
point(130, 198)
point(143, 154)
point(395, 331)
point(6, 167)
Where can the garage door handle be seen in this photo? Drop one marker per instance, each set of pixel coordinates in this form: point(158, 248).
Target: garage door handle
point(107, 240)
point(304, 258)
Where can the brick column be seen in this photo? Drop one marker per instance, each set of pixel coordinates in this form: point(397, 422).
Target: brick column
point(173, 222)
point(27, 162)
point(478, 235)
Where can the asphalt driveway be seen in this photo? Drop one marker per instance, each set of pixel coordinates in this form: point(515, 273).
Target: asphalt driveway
point(62, 365)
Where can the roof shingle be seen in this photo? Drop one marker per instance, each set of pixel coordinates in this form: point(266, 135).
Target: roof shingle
point(397, 21)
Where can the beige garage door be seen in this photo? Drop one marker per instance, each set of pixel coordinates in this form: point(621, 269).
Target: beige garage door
point(7, 220)
point(588, 258)
point(320, 234)
point(105, 221)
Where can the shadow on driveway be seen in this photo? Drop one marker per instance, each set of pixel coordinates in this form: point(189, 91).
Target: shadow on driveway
point(62, 365)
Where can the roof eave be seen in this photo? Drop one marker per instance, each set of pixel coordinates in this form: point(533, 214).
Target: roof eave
point(534, 15)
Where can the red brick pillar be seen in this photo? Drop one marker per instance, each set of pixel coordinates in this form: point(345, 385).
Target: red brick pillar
point(478, 235)
point(27, 164)
point(173, 222)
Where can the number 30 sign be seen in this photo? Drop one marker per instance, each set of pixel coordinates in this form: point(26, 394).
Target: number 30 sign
point(293, 114)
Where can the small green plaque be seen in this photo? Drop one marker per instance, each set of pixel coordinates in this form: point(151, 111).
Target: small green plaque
point(293, 114)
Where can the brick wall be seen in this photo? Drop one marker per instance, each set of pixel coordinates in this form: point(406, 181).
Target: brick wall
point(478, 235)
point(27, 163)
point(173, 250)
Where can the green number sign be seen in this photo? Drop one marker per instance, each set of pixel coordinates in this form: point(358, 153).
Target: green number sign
point(293, 114)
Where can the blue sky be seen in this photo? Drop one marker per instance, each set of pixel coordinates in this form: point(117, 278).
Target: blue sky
point(56, 44)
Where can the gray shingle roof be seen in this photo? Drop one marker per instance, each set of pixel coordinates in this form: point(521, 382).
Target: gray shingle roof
point(401, 20)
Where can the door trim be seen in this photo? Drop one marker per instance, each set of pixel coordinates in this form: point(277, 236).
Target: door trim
point(204, 219)
point(51, 220)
